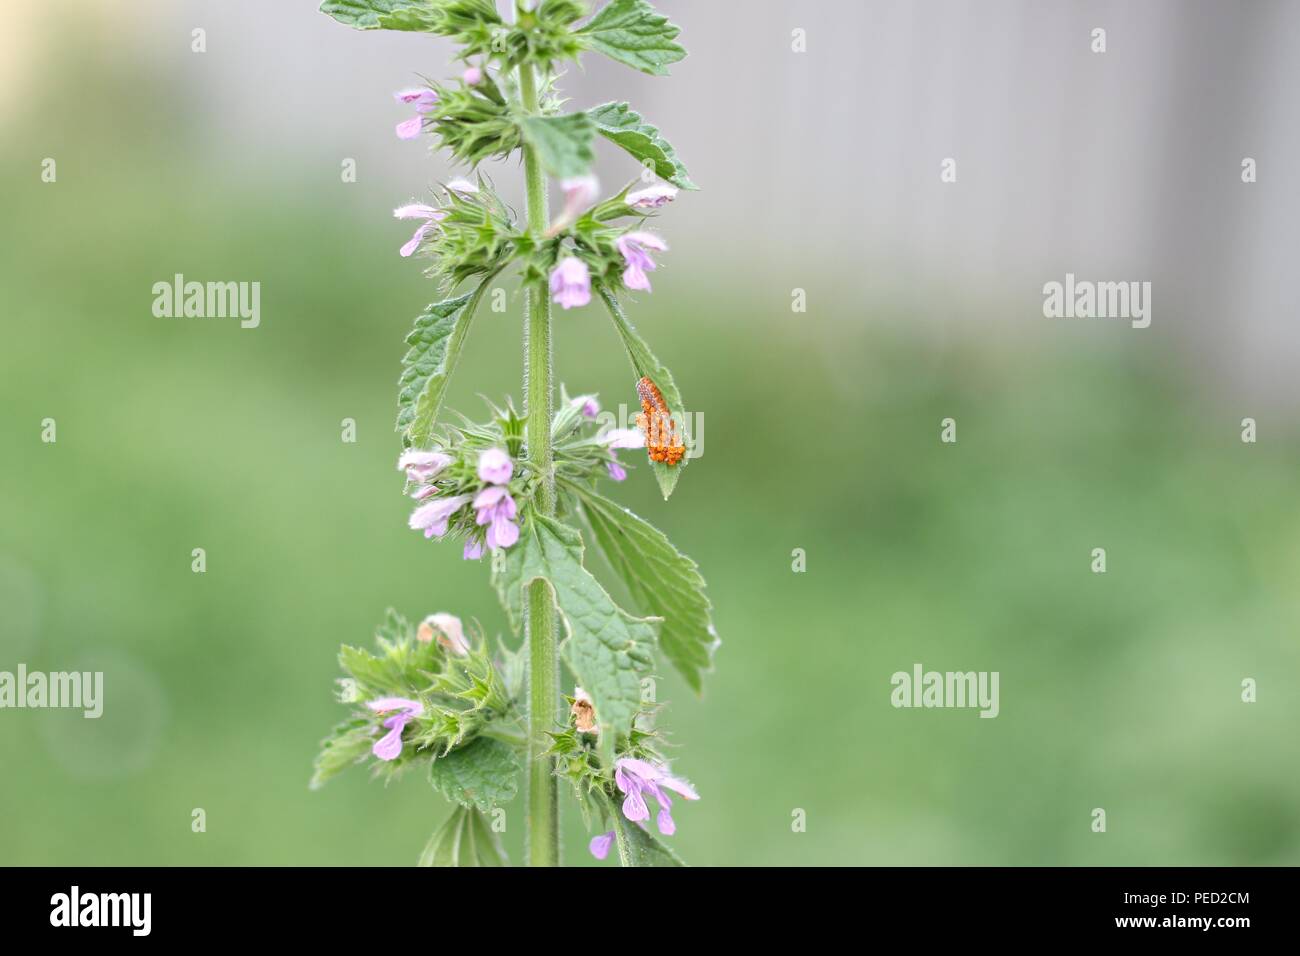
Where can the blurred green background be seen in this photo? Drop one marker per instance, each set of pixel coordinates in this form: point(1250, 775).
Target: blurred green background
point(1119, 691)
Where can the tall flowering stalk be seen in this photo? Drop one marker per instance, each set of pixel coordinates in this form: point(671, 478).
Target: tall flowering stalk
point(524, 488)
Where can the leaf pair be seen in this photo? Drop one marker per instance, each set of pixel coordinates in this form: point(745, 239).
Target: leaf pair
point(662, 581)
point(645, 364)
point(482, 774)
point(435, 347)
point(629, 31)
point(464, 840)
point(563, 143)
point(608, 649)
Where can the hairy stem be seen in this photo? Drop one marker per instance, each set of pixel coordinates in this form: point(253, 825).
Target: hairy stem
point(543, 844)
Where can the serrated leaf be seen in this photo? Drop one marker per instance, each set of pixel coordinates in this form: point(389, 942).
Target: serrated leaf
point(662, 581)
point(637, 846)
point(443, 848)
point(621, 124)
point(347, 745)
point(645, 364)
point(465, 839)
point(368, 14)
point(484, 773)
point(562, 143)
point(634, 33)
point(607, 648)
point(646, 849)
point(435, 346)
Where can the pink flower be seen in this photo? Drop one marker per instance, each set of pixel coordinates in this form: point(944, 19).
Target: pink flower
point(495, 466)
point(390, 745)
point(652, 197)
point(579, 193)
point(462, 186)
point(639, 777)
point(571, 283)
point(421, 466)
point(424, 101)
point(633, 246)
point(616, 471)
point(497, 510)
point(448, 629)
point(624, 438)
point(418, 210)
point(472, 76)
point(587, 406)
point(432, 518)
point(473, 549)
point(599, 845)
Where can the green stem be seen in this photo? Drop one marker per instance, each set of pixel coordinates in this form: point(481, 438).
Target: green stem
point(543, 840)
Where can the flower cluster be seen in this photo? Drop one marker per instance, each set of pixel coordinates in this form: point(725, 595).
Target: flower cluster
point(492, 523)
point(469, 232)
point(428, 689)
point(637, 779)
point(611, 254)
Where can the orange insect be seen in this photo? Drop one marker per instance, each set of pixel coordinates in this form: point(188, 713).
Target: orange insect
point(662, 440)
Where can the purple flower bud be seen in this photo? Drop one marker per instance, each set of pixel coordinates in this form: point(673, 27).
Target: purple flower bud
point(579, 193)
point(418, 210)
point(633, 246)
point(472, 76)
point(433, 518)
point(497, 510)
point(424, 101)
point(652, 197)
point(571, 283)
point(422, 465)
point(462, 186)
point(473, 549)
point(408, 128)
point(599, 845)
point(616, 471)
point(624, 438)
point(587, 406)
point(638, 777)
point(390, 745)
point(495, 466)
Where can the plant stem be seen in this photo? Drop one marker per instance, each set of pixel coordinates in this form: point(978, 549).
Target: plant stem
point(542, 839)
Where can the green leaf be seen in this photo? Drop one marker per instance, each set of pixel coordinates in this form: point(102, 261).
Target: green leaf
point(621, 124)
point(435, 342)
point(636, 845)
point(663, 582)
point(465, 839)
point(367, 14)
point(484, 773)
point(645, 364)
point(347, 745)
point(634, 33)
point(443, 848)
point(607, 648)
point(562, 143)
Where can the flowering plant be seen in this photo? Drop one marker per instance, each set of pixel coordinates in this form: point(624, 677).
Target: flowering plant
point(524, 487)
